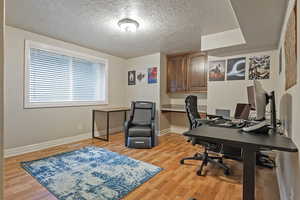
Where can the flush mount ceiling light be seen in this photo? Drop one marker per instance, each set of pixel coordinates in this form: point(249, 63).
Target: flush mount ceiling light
point(128, 25)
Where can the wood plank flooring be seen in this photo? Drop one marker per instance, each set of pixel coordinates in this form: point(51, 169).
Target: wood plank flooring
point(175, 182)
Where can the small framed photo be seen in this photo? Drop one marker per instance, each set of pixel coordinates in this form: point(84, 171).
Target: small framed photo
point(131, 78)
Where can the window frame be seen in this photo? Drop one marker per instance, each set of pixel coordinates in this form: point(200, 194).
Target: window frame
point(32, 44)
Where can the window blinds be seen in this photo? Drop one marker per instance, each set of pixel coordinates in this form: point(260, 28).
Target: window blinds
point(54, 78)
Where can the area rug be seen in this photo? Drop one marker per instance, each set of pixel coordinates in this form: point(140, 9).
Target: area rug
point(90, 173)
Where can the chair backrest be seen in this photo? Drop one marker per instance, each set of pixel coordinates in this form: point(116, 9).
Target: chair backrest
point(142, 112)
point(192, 110)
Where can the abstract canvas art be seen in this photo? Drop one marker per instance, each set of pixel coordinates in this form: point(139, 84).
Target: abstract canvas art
point(131, 77)
point(236, 68)
point(152, 75)
point(259, 67)
point(217, 70)
point(290, 50)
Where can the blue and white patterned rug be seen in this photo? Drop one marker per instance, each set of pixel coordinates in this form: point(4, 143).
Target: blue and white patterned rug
point(90, 173)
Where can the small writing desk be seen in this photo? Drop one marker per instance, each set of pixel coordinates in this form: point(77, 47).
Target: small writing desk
point(107, 111)
point(250, 143)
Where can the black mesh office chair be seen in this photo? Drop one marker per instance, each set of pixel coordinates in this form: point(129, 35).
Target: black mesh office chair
point(195, 121)
point(140, 128)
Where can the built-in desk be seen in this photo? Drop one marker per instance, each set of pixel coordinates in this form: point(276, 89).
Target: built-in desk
point(181, 108)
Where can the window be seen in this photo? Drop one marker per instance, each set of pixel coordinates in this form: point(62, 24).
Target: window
point(58, 77)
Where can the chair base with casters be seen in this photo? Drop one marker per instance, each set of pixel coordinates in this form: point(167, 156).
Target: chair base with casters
point(205, 158)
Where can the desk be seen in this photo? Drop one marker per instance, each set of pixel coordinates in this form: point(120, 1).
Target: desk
point(250, 143)
point(107, 111)
point(180, 108)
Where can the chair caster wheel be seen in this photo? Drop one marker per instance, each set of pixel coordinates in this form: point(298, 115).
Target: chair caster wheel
point(199, 173)
point(182, 162)
point(227, 172)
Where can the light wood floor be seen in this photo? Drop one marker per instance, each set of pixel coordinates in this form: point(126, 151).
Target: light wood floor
point(175, 182)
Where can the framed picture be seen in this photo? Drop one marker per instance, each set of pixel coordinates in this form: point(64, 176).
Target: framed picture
point(259, 67)
point(290, 50)
point(131, 77)
point(236, 68)
point(152, 75)
point(141, 76)
point(217, 70)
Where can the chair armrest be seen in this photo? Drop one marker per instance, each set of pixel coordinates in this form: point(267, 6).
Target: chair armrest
point(127, 124)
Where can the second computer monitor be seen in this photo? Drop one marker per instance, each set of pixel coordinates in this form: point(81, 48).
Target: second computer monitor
point(242, 111)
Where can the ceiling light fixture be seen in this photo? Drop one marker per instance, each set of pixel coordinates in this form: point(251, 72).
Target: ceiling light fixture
point(128, 25)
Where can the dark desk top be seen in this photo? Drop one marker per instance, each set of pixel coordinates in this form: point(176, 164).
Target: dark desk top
point(236, 137)
point(180, 108)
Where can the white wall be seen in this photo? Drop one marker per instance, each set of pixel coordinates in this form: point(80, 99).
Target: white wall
point(226, 94)
point(144, 91)
point(223, 39)
point(2, 22)
point(288, 169)
point(31, 126)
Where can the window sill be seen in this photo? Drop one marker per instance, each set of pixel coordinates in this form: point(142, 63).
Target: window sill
point(63, 104)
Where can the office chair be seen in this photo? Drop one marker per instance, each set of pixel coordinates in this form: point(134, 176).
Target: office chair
point(195, 121)
point(140, 128)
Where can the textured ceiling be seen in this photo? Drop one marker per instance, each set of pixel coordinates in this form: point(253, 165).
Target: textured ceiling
point(165, 25)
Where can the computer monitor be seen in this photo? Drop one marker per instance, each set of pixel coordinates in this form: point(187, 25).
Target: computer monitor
point(258, 98)
point(242, 111)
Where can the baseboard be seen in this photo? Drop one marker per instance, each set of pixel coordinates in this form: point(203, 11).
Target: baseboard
point(178, 129)
point(164, 131)
point(281, 185)
point(44, 145)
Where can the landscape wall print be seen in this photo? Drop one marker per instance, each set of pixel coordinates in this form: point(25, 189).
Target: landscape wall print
point(152, 75)
point(290, 48)
point(217, 70)
point(236, 68)
point(259, 67)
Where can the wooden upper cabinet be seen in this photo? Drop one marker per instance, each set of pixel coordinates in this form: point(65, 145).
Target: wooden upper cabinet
point(197, 73)
point(186, 73)
point(177, 73)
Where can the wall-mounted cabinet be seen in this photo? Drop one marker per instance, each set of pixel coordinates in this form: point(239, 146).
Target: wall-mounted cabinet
point(186, 73)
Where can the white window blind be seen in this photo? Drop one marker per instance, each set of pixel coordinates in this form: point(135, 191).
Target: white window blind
point(57, 78)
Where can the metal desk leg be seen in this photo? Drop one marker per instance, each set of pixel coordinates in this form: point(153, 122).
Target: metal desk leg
point(93, 126)
point(125, 116)
point(107, 126)
point(249, 159)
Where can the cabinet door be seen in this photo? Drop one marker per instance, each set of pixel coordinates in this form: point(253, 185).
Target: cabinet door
point(197, 73)
point(177, 73)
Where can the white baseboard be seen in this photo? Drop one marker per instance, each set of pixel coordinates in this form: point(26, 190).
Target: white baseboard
point(164, 131)
point(178, 129)
point(173, 129)
point(44, 145)
point(281, 185)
